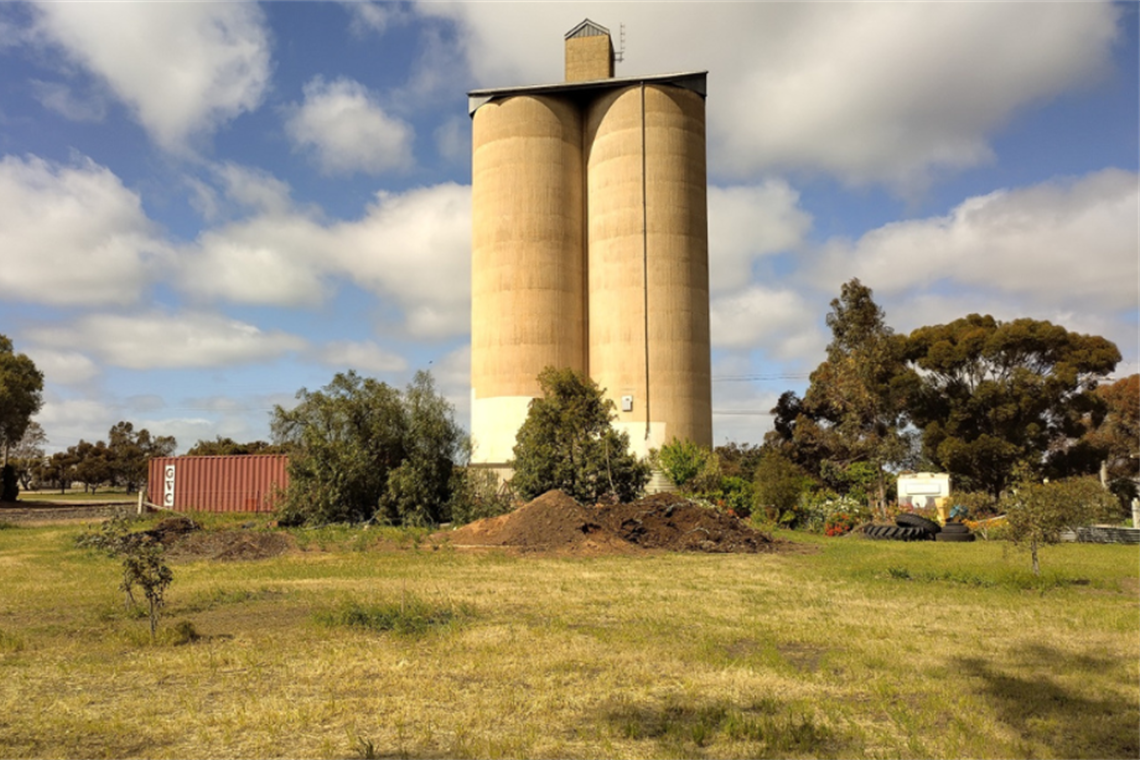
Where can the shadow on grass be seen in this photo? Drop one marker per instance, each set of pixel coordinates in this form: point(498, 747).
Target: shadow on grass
point(1026, 697)
point(770, 728)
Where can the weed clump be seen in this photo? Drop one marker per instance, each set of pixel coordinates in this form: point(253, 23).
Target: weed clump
point(410, 616)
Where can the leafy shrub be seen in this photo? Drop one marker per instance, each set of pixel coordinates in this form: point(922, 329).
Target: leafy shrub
point(1037, 513)
point(144, 566)
point(568, 442)
point(478, 494)
point(815, 509)
point(778, 485)
point(840, 523)
point(359, 447)
point(974, 504)
point(682, 461)
point(112, 537)
point(737, 495)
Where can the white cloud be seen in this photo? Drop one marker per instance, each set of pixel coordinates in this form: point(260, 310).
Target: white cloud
point(253, 188)
point(72, 235)
point(58, 97)
point(780, 322)
point(364, 356)
point(415, 247)
point(159, 340)
point(747, 222)
point(868, 92)
point(67, 421)
point(347, 130)
point(63, 367)
point(182, 68)
point(374, 18)
point(272, 259)
point(412, 249)
point(1061, 244)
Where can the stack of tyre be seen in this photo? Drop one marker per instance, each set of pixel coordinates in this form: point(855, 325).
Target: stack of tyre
point(909, 527)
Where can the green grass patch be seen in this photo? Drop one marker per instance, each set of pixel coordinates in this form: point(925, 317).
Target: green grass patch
point(410, 615)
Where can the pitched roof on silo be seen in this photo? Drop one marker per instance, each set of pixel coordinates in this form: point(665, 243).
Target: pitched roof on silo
point(587, 29)
point(689, 80)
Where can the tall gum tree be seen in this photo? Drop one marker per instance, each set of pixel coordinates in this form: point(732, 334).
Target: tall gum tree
point(992, 395)
point(855, 407)
point(21, 394)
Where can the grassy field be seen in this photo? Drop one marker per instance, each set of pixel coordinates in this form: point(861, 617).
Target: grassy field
point(373, 644)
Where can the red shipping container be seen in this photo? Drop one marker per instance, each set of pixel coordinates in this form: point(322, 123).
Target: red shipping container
point(247, 483)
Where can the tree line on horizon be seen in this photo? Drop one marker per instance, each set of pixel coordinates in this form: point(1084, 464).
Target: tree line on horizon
point(990, 402)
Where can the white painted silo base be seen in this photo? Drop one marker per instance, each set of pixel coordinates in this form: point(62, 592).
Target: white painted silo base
point(494, 424)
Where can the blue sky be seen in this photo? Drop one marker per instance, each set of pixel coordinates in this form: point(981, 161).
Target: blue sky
point(207, 206)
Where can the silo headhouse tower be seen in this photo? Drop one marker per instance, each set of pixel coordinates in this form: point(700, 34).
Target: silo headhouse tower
point(590, 247)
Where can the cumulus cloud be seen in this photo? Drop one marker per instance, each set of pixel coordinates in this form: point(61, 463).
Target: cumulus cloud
point(411, 249)
point(364, 356)
point(780, 322)
point(415, 247)
point(748, 222)
point(253, 188)
point(347, 130)
point(271, 259)
point(73, 235)
point(159, 340)
point(867, 92)
point(66, 421)
point(181, 68)
point(63, 367)
point(1065, 243)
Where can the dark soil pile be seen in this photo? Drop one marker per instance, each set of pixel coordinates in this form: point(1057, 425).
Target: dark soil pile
point(229, 545)
point(672, 522)
point(555, 522)
point(172, 529)
point(552, 522)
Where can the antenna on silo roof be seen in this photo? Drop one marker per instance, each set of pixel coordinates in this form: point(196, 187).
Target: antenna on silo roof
point(619, 56)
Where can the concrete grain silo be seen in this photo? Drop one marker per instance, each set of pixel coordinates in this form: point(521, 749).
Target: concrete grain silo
point(590, 247)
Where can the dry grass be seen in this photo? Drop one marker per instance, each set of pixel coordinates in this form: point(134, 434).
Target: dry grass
point(872, 649)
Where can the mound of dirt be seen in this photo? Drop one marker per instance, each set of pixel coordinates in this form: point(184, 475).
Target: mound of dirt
point(555, 522)
point(552, 522)
point(229, 545)
point(171, 530)
point(672, 522)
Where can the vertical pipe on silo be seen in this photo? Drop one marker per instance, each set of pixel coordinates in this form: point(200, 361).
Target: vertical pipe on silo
point(527, 300)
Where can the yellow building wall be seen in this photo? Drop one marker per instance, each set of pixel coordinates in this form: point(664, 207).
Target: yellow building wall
point(589, 58)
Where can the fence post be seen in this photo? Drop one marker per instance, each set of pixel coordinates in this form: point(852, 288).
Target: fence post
point(141, 501)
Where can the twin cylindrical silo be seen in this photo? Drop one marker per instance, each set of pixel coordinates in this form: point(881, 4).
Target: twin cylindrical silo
point(590, 252)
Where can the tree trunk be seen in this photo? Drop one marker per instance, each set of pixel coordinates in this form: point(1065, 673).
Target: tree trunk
point(1033, 552)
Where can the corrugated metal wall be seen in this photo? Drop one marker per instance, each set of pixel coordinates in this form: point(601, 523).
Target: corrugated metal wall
point(217, 484)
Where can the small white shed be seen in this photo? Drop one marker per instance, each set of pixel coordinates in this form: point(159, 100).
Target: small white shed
point(923, 490)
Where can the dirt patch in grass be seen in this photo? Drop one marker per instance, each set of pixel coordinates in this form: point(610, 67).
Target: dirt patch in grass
point(555, 522)
point(228, 545)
